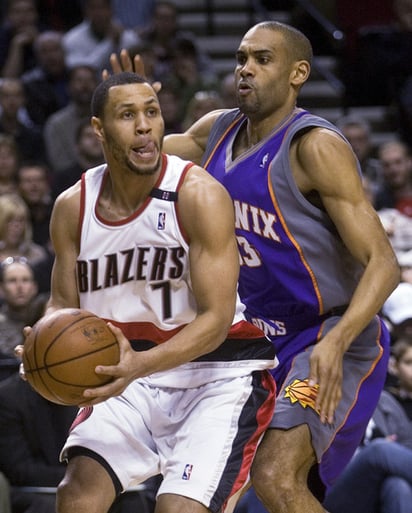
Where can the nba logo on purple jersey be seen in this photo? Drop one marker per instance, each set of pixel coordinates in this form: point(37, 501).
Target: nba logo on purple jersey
point(187, 471)
point(161, 221)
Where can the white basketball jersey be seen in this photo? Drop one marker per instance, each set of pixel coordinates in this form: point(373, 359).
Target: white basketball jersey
point(135, 272)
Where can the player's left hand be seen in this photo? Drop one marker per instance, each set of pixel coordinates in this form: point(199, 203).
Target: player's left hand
point(123, 373)
point(326, 370)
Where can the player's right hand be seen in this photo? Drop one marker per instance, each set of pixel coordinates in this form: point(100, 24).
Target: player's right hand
point(123, 62)
point(19, 350)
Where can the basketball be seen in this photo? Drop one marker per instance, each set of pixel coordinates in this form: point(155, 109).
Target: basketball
point(62, 351)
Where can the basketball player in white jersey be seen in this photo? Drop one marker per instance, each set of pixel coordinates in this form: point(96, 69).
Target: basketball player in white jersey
point(146, 241)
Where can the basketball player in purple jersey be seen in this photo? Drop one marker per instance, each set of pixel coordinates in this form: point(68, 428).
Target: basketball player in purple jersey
point(316, 265)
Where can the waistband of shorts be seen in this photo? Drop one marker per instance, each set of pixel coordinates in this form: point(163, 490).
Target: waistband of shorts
point(297, 322)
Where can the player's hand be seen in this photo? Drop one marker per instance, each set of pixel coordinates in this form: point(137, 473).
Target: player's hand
point(123, 373)
point(19, 350)
point(123, 62)
point(326, 371)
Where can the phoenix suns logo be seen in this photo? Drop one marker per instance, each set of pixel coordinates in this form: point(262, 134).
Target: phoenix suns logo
point(300, 392)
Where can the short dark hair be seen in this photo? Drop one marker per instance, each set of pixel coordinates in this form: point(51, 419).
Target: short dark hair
point(298, 45)
point(101, 92)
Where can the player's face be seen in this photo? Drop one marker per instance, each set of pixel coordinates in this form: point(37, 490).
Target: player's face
point(263, 73)
point(132, 129)
point(19, 287)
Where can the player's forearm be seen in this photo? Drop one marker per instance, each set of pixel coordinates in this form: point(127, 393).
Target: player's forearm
point(378, 281)
point(201, 336)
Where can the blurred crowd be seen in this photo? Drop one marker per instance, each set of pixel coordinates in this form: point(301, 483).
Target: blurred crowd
point(52, 54)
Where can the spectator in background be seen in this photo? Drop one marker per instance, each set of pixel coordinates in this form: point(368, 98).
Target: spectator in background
point(15, 121)
point(169, 104)
point(378, 479)
point(60, 128)
point(397, 310)
point(396, 189)
point(17, 33)
point(33, 185)
point(9, 160)
point(405, 263)
point(162, 35)
point(89, 154)
point(46, 85)
point(133, 14)
point(228, 91)
point(21, 304)
point(148, 55)
point(185, 74)
point(97, 36)
point(32, 431)
point(398, 227)
point(16, 231)
point(200, 104)
point(357, 131)
point(401, 368)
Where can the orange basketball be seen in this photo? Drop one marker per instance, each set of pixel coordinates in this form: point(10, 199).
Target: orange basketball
point(63, 350)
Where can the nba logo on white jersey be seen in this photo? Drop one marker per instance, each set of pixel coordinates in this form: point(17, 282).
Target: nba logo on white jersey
point(161, 221)
point(187, 471)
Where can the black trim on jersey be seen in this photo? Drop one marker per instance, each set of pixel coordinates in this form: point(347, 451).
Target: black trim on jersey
point(164, 195)
point(78, 450)
point(231, 350)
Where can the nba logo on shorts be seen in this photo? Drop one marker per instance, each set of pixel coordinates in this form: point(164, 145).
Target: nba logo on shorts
point(161, 221)
point(187, 471)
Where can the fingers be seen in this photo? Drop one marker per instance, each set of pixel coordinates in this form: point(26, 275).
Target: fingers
point(22, 374)
point(99, 394)
point(328, 395)
point(157, 86)
point(126, 62)
point(18, 351)
point(327, 398)
point(115, 64)
point(121, 339)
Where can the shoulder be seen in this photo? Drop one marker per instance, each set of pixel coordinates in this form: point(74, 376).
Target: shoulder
point(199, 182)
point(201, 194)
point(67, 203)
point(320, 142)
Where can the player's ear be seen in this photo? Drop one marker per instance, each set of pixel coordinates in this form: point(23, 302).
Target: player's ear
point(97, 127)
point(300, 72)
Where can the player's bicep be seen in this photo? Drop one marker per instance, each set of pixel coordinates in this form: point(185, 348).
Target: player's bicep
point(214, 258)
point(332, 170)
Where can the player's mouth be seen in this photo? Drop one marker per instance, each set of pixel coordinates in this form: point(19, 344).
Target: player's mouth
point(244, 88)
point(146, 152)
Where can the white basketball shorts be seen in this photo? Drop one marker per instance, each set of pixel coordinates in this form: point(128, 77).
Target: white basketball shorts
point(202, 440)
